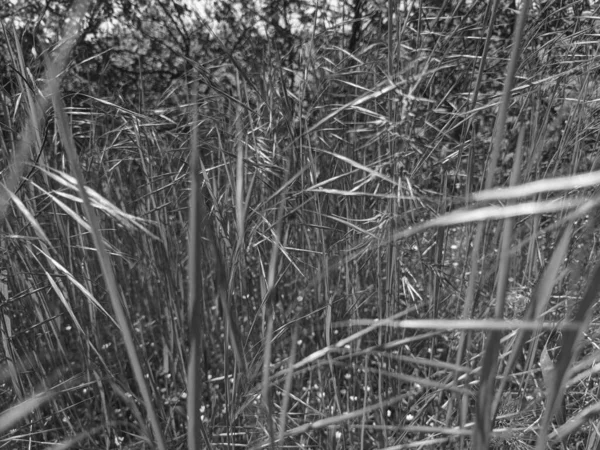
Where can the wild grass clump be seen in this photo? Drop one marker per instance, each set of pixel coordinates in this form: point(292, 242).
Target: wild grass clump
point(397, 252)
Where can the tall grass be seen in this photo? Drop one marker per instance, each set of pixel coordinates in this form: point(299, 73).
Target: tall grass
point(399, 252)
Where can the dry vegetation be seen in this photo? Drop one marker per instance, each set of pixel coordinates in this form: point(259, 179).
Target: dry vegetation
point(329, 266)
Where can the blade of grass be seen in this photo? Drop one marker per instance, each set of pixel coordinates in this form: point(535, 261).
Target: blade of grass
point(540, 297)
point(568, 352)
point(12, 416)
point(196, 302)
point(9, 354)
point(287, 388)
point(103, 257)
point(489, 364)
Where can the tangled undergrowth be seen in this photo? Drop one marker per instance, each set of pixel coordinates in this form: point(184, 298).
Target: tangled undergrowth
point(317, 256)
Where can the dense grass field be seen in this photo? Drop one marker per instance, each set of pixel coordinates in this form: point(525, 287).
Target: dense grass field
point(391, 248)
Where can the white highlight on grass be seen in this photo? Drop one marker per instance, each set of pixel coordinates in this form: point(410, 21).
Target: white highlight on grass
point(570, 182)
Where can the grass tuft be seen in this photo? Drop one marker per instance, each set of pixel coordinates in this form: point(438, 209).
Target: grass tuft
point(386, 246)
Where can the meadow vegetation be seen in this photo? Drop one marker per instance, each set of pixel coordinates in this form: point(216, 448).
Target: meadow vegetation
point(375, 231)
